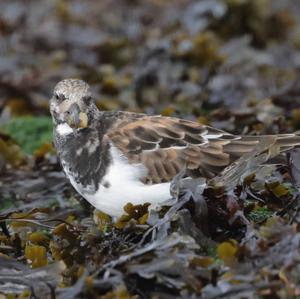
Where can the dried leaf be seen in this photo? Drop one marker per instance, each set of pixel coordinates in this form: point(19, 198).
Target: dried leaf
point(277, 189)
point(37, 255)
point(39, 238)
point(10, 151)
point(134, 212)
point(227, 251)
point(201, 261)
point(103, 220)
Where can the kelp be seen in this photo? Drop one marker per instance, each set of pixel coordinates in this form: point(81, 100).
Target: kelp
point(230, 64)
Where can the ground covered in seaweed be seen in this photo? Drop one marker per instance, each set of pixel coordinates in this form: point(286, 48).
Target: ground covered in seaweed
point(232, 64)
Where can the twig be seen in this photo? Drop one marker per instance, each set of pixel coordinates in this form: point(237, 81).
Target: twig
point(167, 216)
point(27, 220)
point(238, 289)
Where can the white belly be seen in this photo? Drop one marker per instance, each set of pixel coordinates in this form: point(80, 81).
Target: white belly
point(123, 187)
point(112, 200)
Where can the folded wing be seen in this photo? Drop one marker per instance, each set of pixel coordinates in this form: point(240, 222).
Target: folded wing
point(167, 145)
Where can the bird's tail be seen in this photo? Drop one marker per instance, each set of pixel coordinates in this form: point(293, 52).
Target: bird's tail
point(249, 152)
point(288, 141)
point(245, 144)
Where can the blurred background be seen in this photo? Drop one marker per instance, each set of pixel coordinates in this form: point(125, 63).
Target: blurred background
point(221, 62)
point(232, 64)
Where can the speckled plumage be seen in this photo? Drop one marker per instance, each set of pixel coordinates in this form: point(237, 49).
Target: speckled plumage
point(122, 156)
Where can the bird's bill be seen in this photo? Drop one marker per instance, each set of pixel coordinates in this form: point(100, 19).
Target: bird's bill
point(76, 118)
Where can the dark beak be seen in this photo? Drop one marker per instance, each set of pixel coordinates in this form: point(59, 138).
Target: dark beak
point(73, 116)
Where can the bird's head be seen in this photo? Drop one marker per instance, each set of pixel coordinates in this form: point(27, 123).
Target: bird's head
point(72, 103)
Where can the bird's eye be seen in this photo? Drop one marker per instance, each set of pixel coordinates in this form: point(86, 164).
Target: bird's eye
point(87, 99)
point(59, 97)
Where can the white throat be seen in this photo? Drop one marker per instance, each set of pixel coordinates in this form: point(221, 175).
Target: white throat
point(64, 129)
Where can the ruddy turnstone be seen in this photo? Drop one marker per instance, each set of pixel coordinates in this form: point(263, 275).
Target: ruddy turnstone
point(113, 158)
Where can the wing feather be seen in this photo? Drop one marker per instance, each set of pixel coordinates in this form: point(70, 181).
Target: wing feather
point(167, 145)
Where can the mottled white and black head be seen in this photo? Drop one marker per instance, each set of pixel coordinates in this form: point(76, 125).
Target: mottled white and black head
point(72, 104)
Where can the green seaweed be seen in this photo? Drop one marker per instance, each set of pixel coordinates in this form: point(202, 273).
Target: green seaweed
point(6, 203)
point(260, 214)
point(29, 132)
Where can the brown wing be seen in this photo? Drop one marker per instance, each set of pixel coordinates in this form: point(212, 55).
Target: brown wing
point(167, 145)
